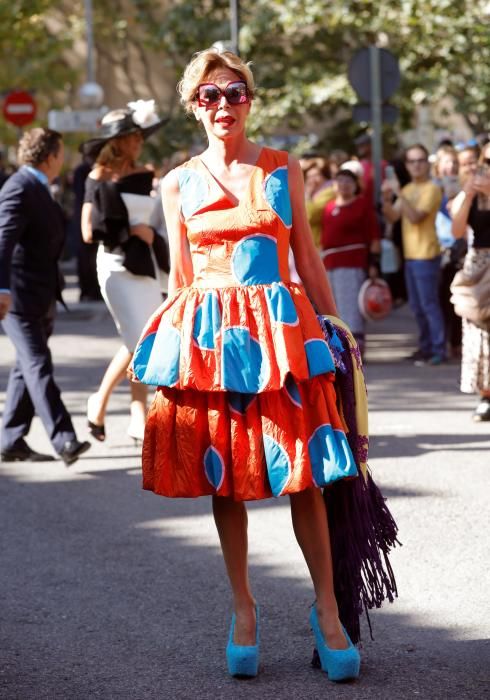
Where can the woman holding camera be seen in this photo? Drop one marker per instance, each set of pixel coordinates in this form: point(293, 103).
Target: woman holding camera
point(471, 209)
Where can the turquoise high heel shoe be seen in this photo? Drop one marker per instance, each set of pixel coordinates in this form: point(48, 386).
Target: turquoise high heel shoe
point(339, 664)
point(243, 660)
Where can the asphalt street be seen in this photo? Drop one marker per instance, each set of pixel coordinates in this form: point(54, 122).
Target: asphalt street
point(111, 592)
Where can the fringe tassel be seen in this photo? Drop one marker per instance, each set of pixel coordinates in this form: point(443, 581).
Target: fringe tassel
point(362, 529)
point(362, 533)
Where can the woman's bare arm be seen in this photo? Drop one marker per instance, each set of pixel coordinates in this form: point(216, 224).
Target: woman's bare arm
point(86, 222)
point(308, 263)
point(460, 210)
point(97, 173)
point(391, 210)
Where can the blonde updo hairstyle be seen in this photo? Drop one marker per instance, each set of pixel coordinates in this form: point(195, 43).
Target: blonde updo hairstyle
point(203, 64)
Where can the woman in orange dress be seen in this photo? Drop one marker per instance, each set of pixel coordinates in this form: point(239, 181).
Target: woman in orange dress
point(246, 404)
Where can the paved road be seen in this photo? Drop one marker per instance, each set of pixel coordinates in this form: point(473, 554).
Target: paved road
point(111, 592)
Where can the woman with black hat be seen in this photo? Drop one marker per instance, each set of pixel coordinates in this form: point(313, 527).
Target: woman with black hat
point(117, 214)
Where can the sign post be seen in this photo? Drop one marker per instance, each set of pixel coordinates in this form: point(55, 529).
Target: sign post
point(19, 108)
point(374, 74)
point(376, 141)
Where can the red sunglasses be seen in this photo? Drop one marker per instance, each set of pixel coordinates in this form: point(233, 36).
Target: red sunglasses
point(209, 94)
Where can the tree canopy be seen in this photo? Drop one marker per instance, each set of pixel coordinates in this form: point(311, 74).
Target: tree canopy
point(300, 51)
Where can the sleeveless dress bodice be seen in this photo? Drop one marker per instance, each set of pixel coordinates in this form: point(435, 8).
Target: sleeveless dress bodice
point(246, 244)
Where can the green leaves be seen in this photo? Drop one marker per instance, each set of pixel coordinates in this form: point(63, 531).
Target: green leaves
point(300, 51)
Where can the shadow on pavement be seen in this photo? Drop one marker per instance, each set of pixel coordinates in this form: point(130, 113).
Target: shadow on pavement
point(111, 592)
point(70, 376)
point(385, 446)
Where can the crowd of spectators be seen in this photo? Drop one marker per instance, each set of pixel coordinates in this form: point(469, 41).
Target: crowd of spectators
point(404, 235)
point(407, 236)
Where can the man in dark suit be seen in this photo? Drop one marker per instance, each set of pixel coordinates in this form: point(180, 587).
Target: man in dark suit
point(31, 241)
point(3, 174)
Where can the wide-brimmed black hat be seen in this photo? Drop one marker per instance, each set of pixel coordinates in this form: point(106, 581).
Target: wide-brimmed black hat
point(138, 116)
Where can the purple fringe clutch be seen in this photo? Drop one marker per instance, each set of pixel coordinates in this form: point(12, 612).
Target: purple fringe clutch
point(362, 529)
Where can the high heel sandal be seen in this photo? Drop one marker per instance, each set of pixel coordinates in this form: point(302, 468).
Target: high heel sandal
point(137, 433)
point(339, 664)
point(96, 431)
point(243, 661)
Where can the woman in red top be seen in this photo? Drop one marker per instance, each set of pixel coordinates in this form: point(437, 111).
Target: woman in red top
point(350, 237)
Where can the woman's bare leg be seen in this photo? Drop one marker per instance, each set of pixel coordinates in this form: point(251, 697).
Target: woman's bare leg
point(114, 375)
point(139, 393)
point(231, 521)
point(310, 525)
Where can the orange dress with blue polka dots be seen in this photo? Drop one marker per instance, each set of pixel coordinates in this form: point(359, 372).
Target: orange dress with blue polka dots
point(245, 405)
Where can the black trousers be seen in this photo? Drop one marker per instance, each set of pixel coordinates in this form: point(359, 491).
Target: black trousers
point(31, 387)
point(454, 327)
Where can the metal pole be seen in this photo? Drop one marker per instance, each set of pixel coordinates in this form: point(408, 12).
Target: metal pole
point(90, 41)
point(235, 25)
point(376, 118)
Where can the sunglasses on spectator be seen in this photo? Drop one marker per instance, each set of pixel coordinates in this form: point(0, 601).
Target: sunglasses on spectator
point(209, 94)
point(415, 161)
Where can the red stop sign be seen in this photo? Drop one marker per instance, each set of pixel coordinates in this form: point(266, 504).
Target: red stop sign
point(19, 108)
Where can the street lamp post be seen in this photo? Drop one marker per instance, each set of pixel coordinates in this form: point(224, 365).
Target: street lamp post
point(235, 25)
point(90, 40)
point(91, 94)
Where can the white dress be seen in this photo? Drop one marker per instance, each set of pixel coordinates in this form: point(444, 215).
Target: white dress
point(131, 299)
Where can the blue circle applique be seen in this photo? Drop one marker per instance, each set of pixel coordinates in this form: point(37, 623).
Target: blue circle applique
point(157, 357)
point(194, 191)
point(245, 367)
point(318, 356)
point(276, 191)
point(255, 260)
point(278, 464)
point(330, 455)
point(214, 467)
point(207, 322)
point(240, 402)
point(281, 305)
point(292, 391)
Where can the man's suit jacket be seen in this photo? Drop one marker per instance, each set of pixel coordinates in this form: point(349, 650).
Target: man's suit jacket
point(31, 242)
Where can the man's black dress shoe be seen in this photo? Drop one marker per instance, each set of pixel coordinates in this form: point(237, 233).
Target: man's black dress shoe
point(73, 449)
point(23, 453)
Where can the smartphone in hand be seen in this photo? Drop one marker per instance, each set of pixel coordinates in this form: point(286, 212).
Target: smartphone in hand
point(390, 181)
point(390, 173)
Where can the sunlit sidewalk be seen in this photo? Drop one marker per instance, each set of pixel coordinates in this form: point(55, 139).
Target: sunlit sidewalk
point(109, 591)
